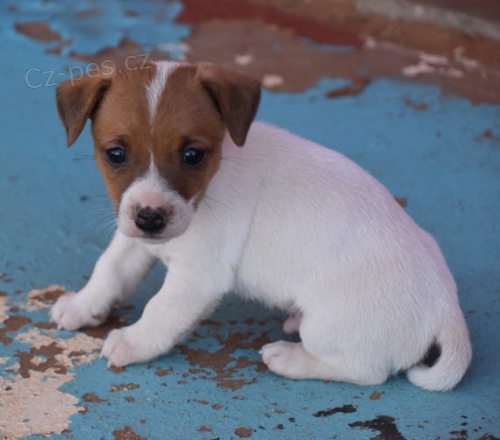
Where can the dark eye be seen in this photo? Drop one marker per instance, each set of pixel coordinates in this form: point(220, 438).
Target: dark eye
point(193, 157)
point(116, 156)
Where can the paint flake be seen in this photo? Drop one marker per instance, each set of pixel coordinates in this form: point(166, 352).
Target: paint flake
point(3, 308)
point(31, 402)
point(35, 405)
point(270, 81)
point(44, 298)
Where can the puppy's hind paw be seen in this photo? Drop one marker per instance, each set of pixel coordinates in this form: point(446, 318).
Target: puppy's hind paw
point(292, 323)
point(285, 358)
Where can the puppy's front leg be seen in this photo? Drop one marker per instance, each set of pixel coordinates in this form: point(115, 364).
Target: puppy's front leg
point(116, 275)
point(184, 299)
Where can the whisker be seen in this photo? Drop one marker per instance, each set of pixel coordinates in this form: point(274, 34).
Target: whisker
point(220, 202)
point(233, 160)
point(209, 207)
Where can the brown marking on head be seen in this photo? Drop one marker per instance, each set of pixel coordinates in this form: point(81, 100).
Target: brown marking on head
point(186, 117)
point(193, 111)
point(122, 120)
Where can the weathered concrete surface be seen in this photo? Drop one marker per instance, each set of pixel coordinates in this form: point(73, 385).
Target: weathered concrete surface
point(416, 105)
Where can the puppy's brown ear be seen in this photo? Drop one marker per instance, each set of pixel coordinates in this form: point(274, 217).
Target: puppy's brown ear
point(236, 96)
point(76, 99)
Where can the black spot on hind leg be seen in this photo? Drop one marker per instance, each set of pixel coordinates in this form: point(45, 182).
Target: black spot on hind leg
point(432, 355)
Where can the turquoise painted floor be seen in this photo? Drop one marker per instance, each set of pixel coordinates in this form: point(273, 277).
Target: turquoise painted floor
point(55, 221)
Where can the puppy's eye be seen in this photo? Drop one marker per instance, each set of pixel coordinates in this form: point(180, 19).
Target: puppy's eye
point(193, 157)
point(116, 156)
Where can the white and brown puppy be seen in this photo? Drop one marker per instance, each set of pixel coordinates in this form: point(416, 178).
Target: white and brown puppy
point(229, 205)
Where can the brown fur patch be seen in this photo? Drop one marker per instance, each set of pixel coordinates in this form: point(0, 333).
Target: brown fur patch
point(122, 120)
point(186, 117)
point(194, 109)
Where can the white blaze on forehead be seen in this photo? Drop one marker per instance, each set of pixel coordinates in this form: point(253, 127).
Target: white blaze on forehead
point(155, 88)
point(152, 174)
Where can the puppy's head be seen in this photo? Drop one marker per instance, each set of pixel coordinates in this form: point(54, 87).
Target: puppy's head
point(158, 131)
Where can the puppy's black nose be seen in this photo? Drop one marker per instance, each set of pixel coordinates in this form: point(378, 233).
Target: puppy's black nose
point(150, 220)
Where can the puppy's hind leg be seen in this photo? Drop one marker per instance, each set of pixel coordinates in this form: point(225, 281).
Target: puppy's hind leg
point(292, 360)
point(292, 323)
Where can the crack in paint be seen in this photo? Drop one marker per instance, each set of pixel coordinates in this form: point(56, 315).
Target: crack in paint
point(384, 424)
point(346, 409)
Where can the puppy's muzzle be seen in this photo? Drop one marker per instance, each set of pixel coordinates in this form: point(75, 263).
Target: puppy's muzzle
point(151, 221)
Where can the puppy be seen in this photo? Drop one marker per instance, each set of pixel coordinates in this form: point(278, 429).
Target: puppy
point(231, 205)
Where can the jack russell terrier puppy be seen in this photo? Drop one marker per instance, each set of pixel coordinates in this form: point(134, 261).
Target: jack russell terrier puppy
point(231, 205)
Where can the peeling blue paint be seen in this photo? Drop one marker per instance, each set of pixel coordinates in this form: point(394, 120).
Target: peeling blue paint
point(55, 223)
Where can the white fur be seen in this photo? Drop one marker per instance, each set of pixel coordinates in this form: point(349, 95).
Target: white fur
point(301, 228)
point(151, 190)
point(155, 88)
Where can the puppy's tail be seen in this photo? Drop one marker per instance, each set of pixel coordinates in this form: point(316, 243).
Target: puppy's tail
point(454, 345)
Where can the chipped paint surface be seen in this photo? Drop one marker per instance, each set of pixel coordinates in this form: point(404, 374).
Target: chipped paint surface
point(402, 110)
point(31, 401)
point(34, 405)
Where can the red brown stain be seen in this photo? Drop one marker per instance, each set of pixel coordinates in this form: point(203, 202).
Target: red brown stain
point(127, 433)
point(101, 332)
point(88, 13)
point(131, 14)
point(38, 30)
point(196, 12)
point(345, 409)
point(124, 387)
point(92, 398)
point(204, 428)
point(355, 88)
point(45, 325)
point(12, 324)
point(211, 322)
point(489, 135)
point(243, 432)
point(5, 278)
point(127, 52)
point(384, 424)
point(300, 64)
point(49, 352)
point(51, 294)
point(277, 51)
point(57, 49)
point(414, 35)
point(376, 395)
point(160, 372)
point(76, 353)
point(418, 106)
point(220, 360)
point(202, 402)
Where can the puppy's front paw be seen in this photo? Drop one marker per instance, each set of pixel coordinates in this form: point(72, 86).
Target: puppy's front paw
point(126, 346)
point(70, 312)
